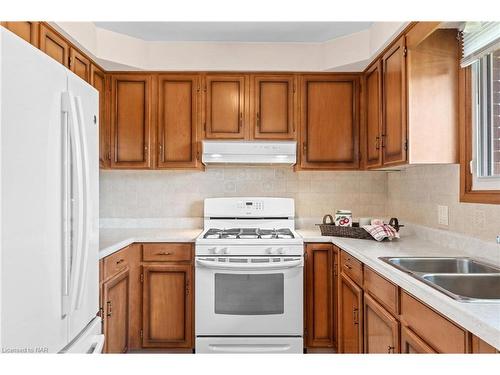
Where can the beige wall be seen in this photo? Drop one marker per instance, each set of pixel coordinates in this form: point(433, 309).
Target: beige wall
point(115, 51)
point(414, 194)
point(163, 194)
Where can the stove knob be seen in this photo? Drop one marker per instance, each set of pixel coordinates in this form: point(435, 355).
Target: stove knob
point(280, 250)
point(213, 250)
point(224, 250)
point(270, 250)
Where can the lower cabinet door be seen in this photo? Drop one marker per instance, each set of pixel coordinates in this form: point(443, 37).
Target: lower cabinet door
point(381, 329)
point(321, 294)
point(412, 344)
point(115, 298)
point(167, 306)
point(350, 316)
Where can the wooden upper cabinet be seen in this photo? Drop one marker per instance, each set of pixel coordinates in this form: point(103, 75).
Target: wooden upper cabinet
point(54, 45)
point(98, 80)
point(130, 120)
point(350, 316)
point(330, 122)
point(273, 106)
point(167, 306)
point(79, 64)
point(116, 312)
point(177, 120)
point(27, 30)
point(225, 106)
point(381, 329)
point(394, 136)
point(374, 115)
point(321, 296)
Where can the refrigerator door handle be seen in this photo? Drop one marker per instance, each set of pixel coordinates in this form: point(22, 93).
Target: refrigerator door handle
point(66, 205)
point(86, 203)
point(79, 219)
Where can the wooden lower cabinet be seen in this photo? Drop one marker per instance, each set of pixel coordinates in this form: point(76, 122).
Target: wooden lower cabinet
point(350, 316)
point(478, 346)
point(167, 306)
point(381, 329)
point(321, 296)
point(412, 344)
point(115, 293)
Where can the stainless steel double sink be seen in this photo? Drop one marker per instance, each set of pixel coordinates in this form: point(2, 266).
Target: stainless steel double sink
point(463, 279)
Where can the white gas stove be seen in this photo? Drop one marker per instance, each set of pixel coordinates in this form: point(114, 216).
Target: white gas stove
point(249, 277)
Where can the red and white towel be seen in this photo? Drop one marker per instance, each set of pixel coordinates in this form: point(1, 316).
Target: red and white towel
point(379, 232)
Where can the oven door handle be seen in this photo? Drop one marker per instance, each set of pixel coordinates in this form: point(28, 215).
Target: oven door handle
point(250, 267)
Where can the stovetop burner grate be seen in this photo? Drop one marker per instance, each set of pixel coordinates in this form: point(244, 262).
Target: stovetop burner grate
point(249, 233)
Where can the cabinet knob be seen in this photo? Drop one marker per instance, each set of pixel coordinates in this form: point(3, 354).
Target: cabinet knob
point(108, 305)
point(163, 253)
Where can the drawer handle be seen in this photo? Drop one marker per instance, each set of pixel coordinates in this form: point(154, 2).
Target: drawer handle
point(348, 266)
point(120, 261)
point(390, 349)
point(164, 253)
point(109, 308)
point(355, 316)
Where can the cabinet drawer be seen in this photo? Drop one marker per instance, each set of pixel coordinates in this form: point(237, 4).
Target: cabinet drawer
point(115, 263)
point(382, 289)
point(351, 267)
point(166, 252)
point(435, 329)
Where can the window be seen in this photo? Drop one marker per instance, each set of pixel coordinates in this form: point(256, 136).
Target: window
point(485, 164)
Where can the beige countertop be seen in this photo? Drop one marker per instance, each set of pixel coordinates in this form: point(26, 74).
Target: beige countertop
point(112, 240)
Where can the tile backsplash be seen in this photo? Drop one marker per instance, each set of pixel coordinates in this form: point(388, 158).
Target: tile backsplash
point(165, 194)
point(414, 194)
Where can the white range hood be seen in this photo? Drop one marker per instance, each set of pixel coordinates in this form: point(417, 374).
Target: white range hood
point(249, 152)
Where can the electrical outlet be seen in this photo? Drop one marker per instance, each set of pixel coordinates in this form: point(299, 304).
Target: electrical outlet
point(443, 215)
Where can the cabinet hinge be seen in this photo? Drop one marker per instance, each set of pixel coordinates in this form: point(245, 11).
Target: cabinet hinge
point(101, 312)
point(405, 51)
point(406, 145)
point(142, 334)
point(69, 62)
point(142, 277)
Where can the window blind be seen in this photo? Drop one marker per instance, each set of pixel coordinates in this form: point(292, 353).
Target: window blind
point(478, 40)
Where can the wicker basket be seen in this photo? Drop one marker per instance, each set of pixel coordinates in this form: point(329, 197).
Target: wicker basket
point(330, 229)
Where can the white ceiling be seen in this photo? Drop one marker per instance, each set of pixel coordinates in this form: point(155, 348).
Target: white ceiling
point(268, 32)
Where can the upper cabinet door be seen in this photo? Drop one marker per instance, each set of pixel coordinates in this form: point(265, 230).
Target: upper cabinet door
point(79, 64)
point(373, 78)
point(177, 120)
point(330, 122)
point(394, 109)
point(25, 29)
point(98, 80)
point(54, 45)
point(225, 106)
point(130, 121)
point(273, 106)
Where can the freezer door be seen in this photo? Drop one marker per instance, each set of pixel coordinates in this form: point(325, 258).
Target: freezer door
point(89, 341)
point(83, 104)
point(31, 234)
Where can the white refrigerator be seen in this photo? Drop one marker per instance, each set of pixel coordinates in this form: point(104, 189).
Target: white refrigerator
point(49, 203)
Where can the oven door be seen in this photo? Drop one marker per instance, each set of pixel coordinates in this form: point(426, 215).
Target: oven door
point(249, 296)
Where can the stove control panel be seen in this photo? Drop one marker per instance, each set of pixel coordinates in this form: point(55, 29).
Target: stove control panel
point(250, 205)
